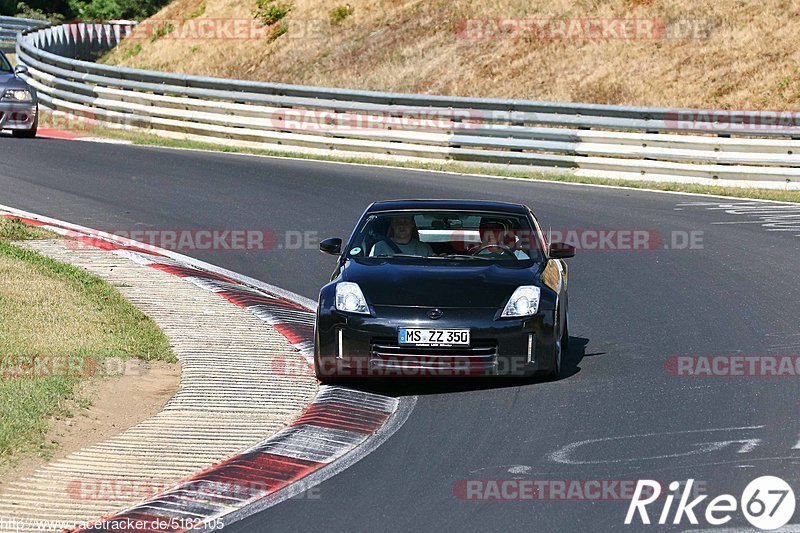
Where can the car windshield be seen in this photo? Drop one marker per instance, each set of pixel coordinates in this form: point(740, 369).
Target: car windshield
point(468, 236)
point(5, 66)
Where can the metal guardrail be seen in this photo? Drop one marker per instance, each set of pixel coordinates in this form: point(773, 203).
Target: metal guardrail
point(10, 27)
point(590, 139)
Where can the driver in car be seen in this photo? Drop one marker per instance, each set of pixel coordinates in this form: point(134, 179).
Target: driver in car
point(402, 238)
point(496, 241)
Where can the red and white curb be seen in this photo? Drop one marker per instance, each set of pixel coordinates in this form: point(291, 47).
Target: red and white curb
point(340, 426)
point(49, 133)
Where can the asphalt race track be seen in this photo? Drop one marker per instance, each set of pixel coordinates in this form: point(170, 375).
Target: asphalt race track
point(620, 415)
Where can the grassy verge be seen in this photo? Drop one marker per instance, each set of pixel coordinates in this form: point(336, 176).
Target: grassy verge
point(57, 324)
point(146, 139)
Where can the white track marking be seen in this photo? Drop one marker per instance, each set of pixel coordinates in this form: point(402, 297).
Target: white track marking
point(779, 217)
point(747, 445)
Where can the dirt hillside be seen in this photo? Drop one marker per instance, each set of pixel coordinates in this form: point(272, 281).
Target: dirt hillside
point(705, 53)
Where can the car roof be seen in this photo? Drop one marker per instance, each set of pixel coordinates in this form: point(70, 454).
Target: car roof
point(478, 205)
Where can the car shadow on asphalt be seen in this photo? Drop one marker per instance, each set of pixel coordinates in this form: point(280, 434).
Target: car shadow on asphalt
point(416, 386)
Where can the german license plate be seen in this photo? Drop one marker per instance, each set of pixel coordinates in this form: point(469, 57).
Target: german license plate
point(433, 337)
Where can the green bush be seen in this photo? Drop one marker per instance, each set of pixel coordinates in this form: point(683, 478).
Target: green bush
point(115, 9)
point(32, 12)
point(338, 14)
point(268, 12)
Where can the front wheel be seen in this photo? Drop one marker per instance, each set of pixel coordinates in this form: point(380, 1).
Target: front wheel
point(24, 134)
point(27, 134)
point(325, 378)
point(555, 373)
point(559, 346)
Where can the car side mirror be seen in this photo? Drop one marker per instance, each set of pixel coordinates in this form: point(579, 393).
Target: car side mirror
point(560, 250)
point(20, 69)
point(331, 246)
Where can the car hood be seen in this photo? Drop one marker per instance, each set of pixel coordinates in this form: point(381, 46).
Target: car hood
point(446, 285)
point(10, 81)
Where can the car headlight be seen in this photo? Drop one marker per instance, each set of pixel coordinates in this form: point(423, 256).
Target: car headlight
point(524, 302)
point(18, 95)
point(349, 298)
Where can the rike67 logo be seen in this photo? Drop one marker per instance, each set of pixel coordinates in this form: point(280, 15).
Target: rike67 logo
point(767, 502)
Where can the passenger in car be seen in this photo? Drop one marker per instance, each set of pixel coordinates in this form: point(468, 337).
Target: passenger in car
point(401, 238)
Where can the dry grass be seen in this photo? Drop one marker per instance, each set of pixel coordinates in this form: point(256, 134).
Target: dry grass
point(748, 58)
point(51, 311)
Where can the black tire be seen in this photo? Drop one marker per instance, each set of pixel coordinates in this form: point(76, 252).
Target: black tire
point(321, 377)
point(27, 134)
point(24, 134)
point(324, 380)
point(559, 347)
point(558, 352)
point(317, 374)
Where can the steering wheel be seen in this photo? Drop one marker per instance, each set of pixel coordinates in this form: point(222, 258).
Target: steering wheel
point(503, 249)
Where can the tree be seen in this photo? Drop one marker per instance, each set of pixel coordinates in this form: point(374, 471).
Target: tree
point(115, 9)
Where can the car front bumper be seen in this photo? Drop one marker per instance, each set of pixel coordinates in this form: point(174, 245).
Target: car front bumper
point(18, 115)
point(350, 345)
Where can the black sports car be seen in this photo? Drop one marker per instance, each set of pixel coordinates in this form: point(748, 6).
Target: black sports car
point(443, 287)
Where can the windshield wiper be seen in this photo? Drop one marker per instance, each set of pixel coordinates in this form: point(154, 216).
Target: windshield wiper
point(463, 256)
point(448, 256)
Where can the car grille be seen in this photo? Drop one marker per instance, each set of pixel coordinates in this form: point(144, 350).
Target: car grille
point(481, 354)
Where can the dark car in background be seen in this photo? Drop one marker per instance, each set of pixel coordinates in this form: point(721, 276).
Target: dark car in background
point(443, 288)
point(19, 108)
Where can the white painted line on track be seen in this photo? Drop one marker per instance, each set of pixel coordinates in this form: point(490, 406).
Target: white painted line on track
point(563, 454)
